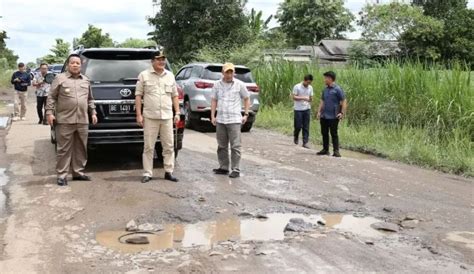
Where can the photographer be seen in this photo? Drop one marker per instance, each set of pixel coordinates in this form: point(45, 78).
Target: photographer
point(20, 80)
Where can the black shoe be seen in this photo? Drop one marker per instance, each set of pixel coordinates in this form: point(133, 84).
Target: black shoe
point(336, 153)
point(62, 182)
point(220, 171)
point(234, 174)
point(323, 152)
point(170, 177)
point(296, 141)
point(40, 122)
point(146, 179)
point(45, 122)
point(305, 145)
point(82, 177)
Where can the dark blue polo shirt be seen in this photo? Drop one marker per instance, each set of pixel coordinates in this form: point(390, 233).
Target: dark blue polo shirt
point(332, 97)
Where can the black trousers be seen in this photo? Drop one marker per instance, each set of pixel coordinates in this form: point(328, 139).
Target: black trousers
point(40, 105)
point(330, 125)
point(302, 120)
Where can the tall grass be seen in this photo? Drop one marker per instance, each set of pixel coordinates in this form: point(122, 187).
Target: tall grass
point(5, 77)
point(427, 106)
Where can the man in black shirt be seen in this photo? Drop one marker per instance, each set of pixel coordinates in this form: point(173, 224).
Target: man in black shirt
point(20, 80)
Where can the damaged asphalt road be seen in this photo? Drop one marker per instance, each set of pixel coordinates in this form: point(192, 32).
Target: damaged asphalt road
point(356, 213)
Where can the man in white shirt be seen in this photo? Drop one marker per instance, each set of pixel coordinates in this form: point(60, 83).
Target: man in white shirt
point(303, 96)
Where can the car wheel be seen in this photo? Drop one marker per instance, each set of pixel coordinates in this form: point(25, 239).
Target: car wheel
point(187, 115)
point(247, 127)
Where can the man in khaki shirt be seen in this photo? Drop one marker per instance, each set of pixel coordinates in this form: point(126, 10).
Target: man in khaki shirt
point(68, 107)
point(157, 87)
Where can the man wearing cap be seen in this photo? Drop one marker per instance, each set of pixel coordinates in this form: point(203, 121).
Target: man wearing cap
point(69, 106)
point(227, 96)
point(157, 87)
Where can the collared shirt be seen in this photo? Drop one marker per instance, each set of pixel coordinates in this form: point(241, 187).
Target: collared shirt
point(157, 92)
point(229, 100)
point(332, 97)
point(71, 98)
point(43, 89)
point(301, 90)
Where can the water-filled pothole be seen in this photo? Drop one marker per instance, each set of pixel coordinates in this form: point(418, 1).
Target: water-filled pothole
point(236, 229)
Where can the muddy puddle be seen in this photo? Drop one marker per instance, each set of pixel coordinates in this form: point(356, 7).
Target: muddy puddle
point(236, 229)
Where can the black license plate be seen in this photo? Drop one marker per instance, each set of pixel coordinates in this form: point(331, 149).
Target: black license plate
point(121, 109)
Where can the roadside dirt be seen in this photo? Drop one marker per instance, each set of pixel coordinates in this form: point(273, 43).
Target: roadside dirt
point(51, 229)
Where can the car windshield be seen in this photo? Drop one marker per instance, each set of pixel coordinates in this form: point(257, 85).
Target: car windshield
point(99, 70)
point(115, 66)
point(58, 68)
point(215, 73)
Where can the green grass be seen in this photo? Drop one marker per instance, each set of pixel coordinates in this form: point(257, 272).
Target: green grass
point(407, 112)
point(406, 144)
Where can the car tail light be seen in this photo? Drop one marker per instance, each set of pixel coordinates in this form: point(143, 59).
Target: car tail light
point(253, 88)
point(180, 93)
point(203, 85)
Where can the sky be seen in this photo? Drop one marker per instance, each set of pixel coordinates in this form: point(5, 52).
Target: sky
point(33, 26)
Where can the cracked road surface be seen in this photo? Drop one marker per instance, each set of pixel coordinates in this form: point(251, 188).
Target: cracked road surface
point(210, 222)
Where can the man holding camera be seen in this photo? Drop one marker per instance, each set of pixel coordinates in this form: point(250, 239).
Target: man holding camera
point(42, 90)
point(20, 80)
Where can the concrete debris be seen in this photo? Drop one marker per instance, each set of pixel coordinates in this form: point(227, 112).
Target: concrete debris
point(147, 227)
point(131, 226)
point(298, 225)
point(410, 224)
point(215, 253)
point(391, 227)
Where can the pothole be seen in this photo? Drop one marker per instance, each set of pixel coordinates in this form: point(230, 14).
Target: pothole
point(235, 229)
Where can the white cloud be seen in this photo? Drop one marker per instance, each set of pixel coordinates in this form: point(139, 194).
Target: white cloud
point(33, 26)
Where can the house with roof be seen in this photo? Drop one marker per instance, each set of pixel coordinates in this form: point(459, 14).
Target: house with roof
point(331, 51)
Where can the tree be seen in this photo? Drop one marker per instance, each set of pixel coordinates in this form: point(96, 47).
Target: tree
point(31, 65)
point(185, 26)
point(256, 24)
point(440, 8)
point(307, 22)
point(93, 38)
point(60, 52)
point(136, 43)
point(458, 39)
point(388, 22)
point(423, 38)
point(8, 59)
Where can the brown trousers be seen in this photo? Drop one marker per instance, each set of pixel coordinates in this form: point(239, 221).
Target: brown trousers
point(72, 149)
point(19, 103)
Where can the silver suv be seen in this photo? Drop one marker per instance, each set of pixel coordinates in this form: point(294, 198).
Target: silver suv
point(197, 80)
